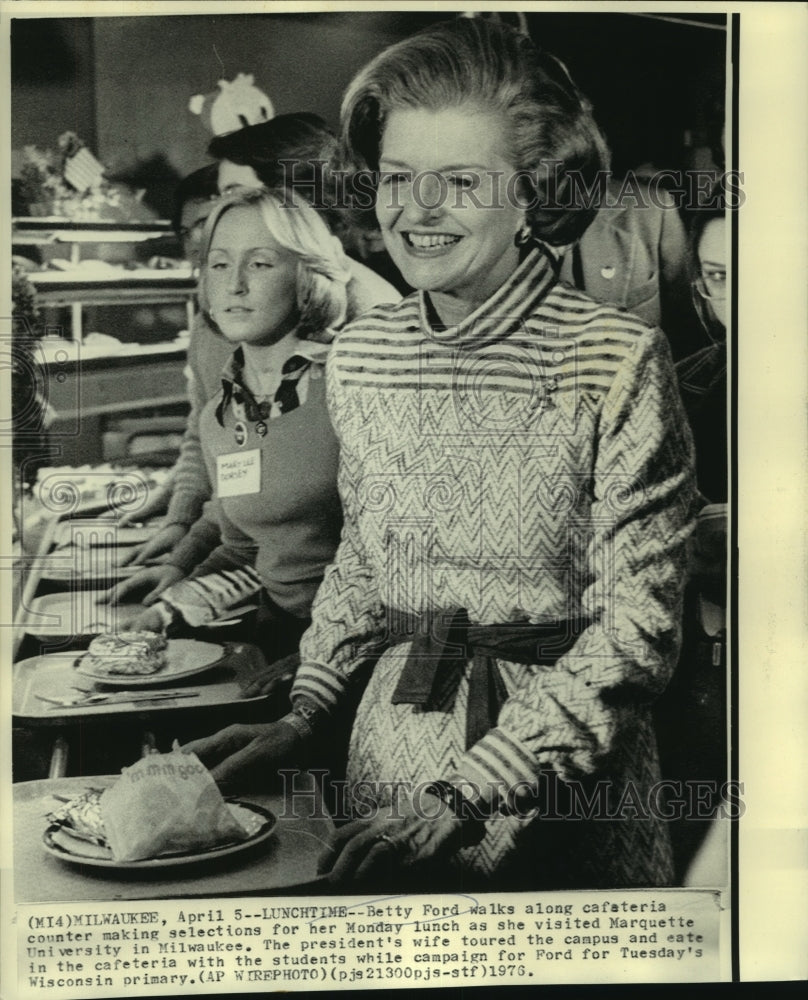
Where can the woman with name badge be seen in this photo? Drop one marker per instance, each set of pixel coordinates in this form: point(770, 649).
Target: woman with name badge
point(516, 474)
point(290, 151)
point(273, 283)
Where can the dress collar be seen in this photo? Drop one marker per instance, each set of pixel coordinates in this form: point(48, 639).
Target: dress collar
point(503, 311)
point(310, 351)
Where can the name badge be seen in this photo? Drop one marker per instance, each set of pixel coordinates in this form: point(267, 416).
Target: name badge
point(239, 473)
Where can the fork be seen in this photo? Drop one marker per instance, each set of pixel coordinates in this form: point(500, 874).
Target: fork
point(89, 699)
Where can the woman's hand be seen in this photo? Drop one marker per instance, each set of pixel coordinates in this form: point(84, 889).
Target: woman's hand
point(275, 679)
point(409, 834)
point(139, 620)
point(245, 757)
point(154, 579)
point(162, 542)
point(156, 503)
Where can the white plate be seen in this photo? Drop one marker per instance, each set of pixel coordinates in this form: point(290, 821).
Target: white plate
point(185, 657)
point(259, 821)
point(75, 613)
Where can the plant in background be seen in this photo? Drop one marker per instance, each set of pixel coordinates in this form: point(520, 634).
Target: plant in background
point(29, 406)
point(70, 183)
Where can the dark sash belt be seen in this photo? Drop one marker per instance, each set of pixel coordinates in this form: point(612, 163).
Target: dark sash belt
point(446, 640)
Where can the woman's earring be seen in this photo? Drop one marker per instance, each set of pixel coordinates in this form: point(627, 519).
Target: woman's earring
point(524, 235)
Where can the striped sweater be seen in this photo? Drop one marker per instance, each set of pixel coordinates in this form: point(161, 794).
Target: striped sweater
point(532, 463)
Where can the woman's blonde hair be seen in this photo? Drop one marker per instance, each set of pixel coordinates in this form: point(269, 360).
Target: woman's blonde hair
point(549, 123)
point(323, 269)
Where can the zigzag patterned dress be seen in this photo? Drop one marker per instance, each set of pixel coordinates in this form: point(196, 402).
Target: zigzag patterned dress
point(530, 464)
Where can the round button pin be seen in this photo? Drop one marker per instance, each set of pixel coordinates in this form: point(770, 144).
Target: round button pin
point(240, 433)
point(608, 272)
point(261, 428)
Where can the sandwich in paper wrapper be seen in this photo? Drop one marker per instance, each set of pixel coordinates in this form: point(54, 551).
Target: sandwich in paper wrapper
point(163, 804)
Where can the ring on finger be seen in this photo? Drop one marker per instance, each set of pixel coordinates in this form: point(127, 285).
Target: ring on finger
point(393, 843)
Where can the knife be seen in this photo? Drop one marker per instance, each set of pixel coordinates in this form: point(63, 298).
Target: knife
point(118, 697)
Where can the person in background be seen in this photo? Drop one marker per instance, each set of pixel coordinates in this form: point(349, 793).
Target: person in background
point(634, 256)
point(192, 204)
point(193, 201)
point(703, 375)
point(695, 701)
point(516, 476)
point(289, 151)
point(31, 413)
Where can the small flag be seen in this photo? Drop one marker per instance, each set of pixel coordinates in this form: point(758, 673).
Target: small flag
point(82, 171)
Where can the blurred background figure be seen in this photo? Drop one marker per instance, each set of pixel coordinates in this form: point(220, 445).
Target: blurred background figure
point(696, 701)
point(703, 375)
point(634, 255)
point(193, 201)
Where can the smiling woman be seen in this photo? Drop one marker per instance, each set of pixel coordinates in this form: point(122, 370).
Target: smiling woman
point(517, 483)
point(440, 179)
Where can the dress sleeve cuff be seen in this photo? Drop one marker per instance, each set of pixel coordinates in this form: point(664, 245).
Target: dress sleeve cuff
point(320, 684)
point(165, 611)
point(495, 770)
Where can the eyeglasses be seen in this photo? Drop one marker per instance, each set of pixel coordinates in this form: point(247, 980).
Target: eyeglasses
point(186, 232)
point(712, 285)
point(206, 206)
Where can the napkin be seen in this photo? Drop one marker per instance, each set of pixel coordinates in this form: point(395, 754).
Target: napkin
point(166, 803)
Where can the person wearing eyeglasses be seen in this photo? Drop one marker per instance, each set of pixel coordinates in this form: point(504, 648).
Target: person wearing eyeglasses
point(703, 375)
point(695, 701)
point(194, 200)
point(711, 283)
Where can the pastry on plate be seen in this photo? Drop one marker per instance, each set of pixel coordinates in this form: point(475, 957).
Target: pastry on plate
point(134, 652)
point(81, 817)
